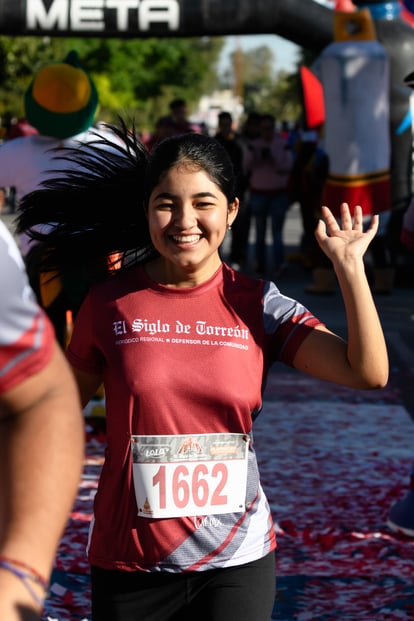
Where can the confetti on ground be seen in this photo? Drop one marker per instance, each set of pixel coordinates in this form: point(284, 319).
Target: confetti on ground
point(332, 462)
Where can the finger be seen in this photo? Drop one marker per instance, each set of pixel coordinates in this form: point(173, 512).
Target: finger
point(358, 218)
point(320, 231)
point(346, 218)
point(329, 218)
point(373, 225)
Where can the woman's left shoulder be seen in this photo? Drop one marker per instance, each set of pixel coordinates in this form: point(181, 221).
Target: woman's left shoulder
point(241, 279)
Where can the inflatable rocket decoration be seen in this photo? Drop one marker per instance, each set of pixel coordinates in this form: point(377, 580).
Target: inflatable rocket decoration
point(354, 72)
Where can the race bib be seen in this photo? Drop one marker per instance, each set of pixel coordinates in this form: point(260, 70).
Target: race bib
point(176, 476)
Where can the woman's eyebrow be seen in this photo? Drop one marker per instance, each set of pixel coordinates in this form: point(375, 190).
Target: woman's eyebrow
point(197, 195)
point(164, 195)
point(204, 195)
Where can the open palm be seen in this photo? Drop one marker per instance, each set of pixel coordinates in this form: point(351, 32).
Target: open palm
point(346, 239)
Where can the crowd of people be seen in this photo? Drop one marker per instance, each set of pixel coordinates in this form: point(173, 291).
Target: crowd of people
point(268, 160)
point(296, 178)
point(276, 165)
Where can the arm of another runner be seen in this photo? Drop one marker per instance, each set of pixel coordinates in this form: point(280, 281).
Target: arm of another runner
point(41, 452)
point(362, 361)
point(41, 441)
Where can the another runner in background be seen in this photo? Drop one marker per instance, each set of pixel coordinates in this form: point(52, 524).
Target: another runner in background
point(61, 103)
point(41, 442)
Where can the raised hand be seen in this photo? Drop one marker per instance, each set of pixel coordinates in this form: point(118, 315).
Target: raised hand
point(347, 240)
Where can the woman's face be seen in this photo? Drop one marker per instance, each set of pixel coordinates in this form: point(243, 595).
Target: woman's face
point(188, 217)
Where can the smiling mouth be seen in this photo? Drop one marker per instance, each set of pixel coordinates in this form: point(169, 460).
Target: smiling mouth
point(186, 239)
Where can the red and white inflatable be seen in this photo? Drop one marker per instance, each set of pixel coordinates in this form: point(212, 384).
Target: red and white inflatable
point(407, 11)
point(354, 71)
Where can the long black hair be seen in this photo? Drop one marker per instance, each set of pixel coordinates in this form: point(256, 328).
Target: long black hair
point(97, 206)
point(79, 217)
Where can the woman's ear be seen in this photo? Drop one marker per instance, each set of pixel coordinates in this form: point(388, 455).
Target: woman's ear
point(232, 211)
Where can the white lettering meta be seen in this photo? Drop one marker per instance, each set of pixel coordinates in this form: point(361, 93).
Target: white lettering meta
point(57, 16)
point(159, 11)
point(122, 8)
point(89, 15)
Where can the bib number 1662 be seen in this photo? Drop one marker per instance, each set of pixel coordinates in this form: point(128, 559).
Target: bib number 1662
point(200, 485)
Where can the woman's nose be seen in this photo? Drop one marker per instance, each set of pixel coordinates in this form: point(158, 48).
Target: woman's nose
point(185, 217)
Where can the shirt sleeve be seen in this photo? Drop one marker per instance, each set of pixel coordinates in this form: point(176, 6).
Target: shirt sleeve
point(83, 352)
point(26, 334)
point(287, 323)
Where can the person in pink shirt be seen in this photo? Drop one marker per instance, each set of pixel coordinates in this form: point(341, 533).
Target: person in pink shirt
point(268, 163)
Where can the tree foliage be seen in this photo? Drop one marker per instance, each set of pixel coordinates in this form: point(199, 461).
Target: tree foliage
point(283, 99)
point(135, 77)
point(262, 89)
point(251, 73)
point(19, 57)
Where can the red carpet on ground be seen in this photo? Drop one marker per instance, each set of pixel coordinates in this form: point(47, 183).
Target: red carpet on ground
point(332, 461)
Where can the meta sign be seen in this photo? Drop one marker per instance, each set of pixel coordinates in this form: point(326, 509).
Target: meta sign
point(304, 22)
point(99, 15)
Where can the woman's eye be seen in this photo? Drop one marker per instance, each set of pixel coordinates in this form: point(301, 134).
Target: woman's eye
point(164, 206)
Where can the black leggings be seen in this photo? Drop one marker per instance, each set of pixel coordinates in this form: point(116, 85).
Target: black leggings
point(244, 592)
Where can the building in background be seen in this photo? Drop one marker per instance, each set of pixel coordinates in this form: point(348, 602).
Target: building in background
point(210, 106)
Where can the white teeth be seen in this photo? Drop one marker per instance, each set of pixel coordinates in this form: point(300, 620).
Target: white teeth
point(186, 239)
